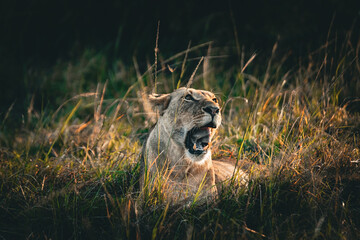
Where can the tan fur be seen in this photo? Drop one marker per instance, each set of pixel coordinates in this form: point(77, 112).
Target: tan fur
point(185, 117)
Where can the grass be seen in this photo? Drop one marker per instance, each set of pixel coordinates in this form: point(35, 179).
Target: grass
point(71, 171)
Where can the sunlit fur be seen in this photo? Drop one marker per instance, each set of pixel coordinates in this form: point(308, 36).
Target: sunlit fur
point(165, 150)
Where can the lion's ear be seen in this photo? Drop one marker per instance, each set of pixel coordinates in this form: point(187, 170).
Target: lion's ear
point(159, 102)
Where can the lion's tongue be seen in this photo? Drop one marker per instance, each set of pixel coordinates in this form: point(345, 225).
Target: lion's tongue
point(202, 144)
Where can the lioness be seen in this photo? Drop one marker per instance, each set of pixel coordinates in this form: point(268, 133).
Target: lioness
point(180, 144)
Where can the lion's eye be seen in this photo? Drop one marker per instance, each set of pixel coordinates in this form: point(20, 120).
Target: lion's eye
point(215, 100)
point(189, 97)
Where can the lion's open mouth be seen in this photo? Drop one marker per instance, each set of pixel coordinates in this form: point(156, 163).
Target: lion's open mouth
point(198, 139)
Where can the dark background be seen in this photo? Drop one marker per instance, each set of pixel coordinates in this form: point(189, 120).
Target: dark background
point(36, 34)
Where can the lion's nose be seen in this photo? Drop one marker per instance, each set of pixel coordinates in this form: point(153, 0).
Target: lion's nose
point(212, 110)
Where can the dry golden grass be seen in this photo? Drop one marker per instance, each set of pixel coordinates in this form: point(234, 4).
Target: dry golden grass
point(73, 172)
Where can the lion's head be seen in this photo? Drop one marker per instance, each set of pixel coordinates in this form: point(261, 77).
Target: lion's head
point(191, 118)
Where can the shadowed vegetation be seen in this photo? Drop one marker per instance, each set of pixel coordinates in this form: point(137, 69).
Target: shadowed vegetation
point(71, 171)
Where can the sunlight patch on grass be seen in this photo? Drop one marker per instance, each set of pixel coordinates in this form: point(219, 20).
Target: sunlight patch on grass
point(73, 171)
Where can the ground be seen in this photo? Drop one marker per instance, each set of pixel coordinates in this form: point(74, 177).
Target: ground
point(69, 169)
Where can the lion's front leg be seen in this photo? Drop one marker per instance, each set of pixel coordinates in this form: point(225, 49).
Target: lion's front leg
point(224, 171)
